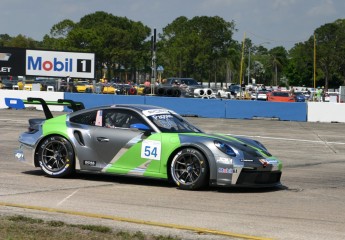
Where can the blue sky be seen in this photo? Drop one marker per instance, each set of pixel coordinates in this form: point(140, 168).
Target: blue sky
point(279, 22)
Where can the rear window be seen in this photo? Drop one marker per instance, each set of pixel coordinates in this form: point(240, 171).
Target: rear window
point(280, 94)
point(88, 118)
point(187, 81)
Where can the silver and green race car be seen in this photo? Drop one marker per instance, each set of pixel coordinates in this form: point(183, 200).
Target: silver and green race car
point(145, 141)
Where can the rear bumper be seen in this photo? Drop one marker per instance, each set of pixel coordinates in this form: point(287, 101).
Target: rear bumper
point(25, 153)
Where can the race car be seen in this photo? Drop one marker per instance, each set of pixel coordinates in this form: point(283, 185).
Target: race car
point(145, 141)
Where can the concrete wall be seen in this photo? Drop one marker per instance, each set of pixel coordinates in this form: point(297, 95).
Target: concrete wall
point(326, 112)
point(209, 108)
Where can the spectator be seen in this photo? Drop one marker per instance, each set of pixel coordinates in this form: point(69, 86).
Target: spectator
point(147, 83)
point(323, 94)
point(318, 94)
point(176, 83)
point(292, 91)
point(309, 94)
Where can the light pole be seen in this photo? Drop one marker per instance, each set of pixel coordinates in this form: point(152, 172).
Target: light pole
point(249, 64)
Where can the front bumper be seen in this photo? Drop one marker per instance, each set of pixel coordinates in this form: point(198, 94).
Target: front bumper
point(259, 178)
point(236, 172)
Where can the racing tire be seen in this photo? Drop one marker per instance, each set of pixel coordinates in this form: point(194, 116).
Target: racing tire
point(189, 169)
point(147, 90)
point(169, 92)
point(177, 93)
point(161, 91)
point(56, 157)
point(208, 92)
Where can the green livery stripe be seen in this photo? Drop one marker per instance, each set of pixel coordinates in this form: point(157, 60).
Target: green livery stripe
point(47, 102)
point(132, 163)
point(56, 125)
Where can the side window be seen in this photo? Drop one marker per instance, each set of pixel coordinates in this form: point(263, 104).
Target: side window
point(88, 118)
point(120, 118)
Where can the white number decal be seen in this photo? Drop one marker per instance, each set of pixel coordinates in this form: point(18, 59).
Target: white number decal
point(83, 62)
point(151, 149)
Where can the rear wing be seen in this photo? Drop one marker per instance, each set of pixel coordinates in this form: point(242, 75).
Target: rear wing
point(20, 104)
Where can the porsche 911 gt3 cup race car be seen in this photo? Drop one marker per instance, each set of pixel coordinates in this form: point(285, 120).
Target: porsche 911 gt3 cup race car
point(145, 141)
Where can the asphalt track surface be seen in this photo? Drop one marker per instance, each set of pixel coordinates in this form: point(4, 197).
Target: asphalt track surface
point(309, 205)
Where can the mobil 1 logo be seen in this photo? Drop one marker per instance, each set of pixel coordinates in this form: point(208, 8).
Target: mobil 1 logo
point(84, 65)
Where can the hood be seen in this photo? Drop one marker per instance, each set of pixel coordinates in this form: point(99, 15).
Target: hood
point(250, 148)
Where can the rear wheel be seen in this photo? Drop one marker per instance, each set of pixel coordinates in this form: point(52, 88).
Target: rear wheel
point(56, 157)
point(189, 169)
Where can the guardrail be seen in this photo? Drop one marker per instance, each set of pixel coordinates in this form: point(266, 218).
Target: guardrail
point(208, 108)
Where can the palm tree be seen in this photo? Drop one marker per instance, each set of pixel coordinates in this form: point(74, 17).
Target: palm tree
point(278, 59)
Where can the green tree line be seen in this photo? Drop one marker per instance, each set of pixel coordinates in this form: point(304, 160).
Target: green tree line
point(201, 47)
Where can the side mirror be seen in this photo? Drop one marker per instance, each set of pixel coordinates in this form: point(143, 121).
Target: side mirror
point(140, 126)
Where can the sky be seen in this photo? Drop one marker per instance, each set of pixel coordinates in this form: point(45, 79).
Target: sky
point(269, 23)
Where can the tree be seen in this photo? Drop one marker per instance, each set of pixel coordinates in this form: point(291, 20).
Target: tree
point(300, 67)
point(56, 40)
point(330, 58)
point(278, 60)
point(117, 41)
point(330, 51)
point(4, 39)
point(197, 48)
point(20, 41)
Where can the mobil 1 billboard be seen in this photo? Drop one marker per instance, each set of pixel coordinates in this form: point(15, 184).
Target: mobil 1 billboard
point(25, 62)
point(60, 64)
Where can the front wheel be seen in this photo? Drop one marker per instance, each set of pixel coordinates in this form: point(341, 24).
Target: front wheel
point(189, 169)
point(56, 157)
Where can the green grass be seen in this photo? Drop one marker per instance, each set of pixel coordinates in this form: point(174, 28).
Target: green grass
point(20, 227)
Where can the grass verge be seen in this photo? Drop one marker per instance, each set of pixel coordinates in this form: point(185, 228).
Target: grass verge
point(20, 227)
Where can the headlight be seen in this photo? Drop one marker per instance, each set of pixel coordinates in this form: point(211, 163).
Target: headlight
point(225, 148)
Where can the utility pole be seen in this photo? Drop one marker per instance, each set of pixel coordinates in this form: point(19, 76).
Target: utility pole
point(314, 61)
point(249, 64)
point(154, 70)
point(242, 57)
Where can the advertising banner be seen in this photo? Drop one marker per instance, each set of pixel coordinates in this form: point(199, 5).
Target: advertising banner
point(60, 64)
point(12, 61)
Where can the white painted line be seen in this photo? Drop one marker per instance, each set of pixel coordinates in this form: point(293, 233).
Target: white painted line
point(66, 198)
point(12, 120)
point(292, 139)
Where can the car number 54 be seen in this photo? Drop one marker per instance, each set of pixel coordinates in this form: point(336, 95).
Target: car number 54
point(151, 149)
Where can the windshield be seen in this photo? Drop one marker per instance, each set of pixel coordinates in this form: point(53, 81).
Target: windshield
point(280, 94)
point(171, 123)
point(189, 82)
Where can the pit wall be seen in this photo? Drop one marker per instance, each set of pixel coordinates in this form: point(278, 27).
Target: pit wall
point(208, 108)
